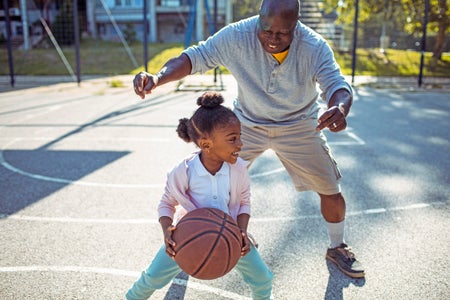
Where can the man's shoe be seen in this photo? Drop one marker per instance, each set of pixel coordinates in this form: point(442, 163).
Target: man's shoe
point(345, 260)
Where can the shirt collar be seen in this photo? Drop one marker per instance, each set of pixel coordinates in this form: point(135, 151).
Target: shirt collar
point(201, 170)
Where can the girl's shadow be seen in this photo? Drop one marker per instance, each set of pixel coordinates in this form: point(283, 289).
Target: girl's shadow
point(177, 290)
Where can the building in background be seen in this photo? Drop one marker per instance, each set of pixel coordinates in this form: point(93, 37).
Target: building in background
point(168, 20)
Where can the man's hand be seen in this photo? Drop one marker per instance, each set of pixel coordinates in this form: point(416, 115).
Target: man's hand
point(338, 109)
point(174, 69)
point(144, 83)
point(333, 118)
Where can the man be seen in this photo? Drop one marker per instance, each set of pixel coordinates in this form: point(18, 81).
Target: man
point(277, 62)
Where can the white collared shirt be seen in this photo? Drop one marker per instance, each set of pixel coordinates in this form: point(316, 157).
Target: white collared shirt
point(207, 190)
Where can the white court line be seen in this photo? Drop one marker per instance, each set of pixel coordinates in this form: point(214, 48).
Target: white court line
point(78, 220)
point(99, 139)
point(356, 140)
point(262, 174)
point(119, 272)
point(359, 140)
point(12, 168)
point(372, 211)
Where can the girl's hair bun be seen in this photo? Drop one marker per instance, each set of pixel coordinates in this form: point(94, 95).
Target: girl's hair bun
point(183, 130)
point(210, 100)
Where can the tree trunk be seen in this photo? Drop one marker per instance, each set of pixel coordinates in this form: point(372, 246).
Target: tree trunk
point(442, 27)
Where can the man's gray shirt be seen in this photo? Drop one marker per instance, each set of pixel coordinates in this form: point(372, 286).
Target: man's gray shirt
point(270, 93)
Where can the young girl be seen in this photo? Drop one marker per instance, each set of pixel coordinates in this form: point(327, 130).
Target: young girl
point(215, 176)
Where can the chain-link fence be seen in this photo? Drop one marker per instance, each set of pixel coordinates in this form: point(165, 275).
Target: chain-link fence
point(75, 39)
point(386, 38)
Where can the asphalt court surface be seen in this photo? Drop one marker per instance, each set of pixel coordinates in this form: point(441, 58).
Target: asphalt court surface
point(82, 170)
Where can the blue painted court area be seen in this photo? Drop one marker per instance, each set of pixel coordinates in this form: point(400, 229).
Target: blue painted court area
point(82, 170)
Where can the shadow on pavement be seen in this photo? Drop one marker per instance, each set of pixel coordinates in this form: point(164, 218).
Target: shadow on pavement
point(337, 281)
point(177, 290)
point(30, 175)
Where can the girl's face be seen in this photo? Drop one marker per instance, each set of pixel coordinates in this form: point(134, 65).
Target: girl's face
point(224, 145)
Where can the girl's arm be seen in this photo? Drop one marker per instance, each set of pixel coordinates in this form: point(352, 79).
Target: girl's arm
point(168, 228)
point(242, 221)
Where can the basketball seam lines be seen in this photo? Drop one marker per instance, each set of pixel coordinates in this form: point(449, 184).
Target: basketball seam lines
point(224, 220)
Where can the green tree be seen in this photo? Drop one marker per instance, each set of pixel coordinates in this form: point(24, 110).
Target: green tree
point(62, 27)
point(129, 33)
point(245, 8)
point(440, 22)
point(403, 15)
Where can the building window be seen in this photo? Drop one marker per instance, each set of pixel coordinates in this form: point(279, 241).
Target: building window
point(125, 2)
point(172, 3)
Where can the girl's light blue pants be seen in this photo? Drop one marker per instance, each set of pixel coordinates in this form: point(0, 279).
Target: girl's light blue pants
point(163, 270)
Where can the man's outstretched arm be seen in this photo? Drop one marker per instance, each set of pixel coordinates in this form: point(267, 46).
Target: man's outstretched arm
point(174, 69)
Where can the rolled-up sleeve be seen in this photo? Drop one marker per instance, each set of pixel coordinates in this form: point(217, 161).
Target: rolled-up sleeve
point(328, 73)
point(213, 52)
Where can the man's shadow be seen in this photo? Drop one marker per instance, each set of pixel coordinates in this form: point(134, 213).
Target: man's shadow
point(337, 281)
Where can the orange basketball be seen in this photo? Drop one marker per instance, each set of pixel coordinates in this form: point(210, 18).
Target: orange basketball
point(208, 243)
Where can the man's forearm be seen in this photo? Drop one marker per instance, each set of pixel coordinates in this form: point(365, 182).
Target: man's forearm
point(175, 69)
point(342, 99)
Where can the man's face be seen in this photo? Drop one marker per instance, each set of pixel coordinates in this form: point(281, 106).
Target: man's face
point(276, 32)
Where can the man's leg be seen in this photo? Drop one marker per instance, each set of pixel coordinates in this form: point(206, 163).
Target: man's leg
point(309, 161)
point(255, 141)
point(333, 211)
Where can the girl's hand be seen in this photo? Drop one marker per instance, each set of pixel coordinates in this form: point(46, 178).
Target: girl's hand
point(169, 242)
point(245, 244)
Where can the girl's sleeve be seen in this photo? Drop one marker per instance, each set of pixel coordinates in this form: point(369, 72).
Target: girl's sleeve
point(244, 191)
point(175, 192)
point(168, 202)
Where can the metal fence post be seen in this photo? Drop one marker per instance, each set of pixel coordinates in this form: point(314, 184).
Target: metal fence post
point(424, 41)
point(76, 27)
point(145, 10)
point(8, 42)
point(355, 40)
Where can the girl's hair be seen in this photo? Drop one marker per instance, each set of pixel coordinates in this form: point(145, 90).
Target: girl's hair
point(209, 116)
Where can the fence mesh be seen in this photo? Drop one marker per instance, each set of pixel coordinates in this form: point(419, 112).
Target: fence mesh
point(389, 35)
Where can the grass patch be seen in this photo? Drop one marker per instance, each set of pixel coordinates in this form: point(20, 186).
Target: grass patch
point(96, 58)
point(116, 83)
point(111, 58)
point(393, 63)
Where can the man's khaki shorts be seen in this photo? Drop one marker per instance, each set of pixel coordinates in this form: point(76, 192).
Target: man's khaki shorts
point(303, 152)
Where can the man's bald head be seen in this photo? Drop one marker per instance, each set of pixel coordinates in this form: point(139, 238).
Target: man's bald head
point(276, 25)
point(285, 8)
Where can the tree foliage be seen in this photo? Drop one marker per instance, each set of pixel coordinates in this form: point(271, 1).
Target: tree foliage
point(245, 8)
point(62, 27)
point(402, 15)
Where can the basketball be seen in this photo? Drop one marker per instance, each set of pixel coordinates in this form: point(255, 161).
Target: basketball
point(208, 243)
